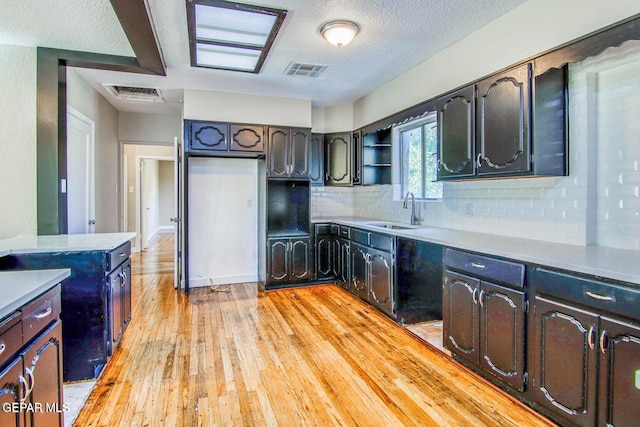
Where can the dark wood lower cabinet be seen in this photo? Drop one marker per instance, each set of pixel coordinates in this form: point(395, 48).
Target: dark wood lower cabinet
point(564, 362)
point(43, 363)
point(619, 384)
point(502, 333)
point(484, 324)
point(359, 269)
point(11, 391)
point(288, 260)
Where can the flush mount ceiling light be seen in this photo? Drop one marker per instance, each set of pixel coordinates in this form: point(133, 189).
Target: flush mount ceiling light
point(231, 36)
point(339, 33)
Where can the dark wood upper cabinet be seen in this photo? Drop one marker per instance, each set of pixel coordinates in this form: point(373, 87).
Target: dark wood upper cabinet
point(503, 110)
point(456, 134)
point(338, 158)
point(288, 152)
point(246, 138)
point(208, 136)
point(204, 138)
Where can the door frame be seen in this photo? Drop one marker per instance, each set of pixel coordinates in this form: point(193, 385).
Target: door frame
point(72, 113)
point(138, 186)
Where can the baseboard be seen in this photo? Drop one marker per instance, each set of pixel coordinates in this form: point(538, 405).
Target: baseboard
point(227, 280)
point(167, 229)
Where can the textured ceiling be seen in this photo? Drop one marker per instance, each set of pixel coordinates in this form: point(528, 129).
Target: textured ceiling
point(395, 36)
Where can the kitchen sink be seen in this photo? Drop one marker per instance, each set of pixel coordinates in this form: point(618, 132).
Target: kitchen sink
point(390, 226)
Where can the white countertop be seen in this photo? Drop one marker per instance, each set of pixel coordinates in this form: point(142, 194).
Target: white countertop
point(64, 242)
point(615, 264)
point(19, 287)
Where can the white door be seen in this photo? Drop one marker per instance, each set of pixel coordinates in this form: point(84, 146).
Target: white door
point(177, 219)
point(81, 202)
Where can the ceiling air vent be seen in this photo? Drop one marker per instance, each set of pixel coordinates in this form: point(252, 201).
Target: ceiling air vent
point(308, 70)
point(134, 93)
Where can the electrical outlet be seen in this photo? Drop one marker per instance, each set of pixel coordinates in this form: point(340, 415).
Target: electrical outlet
point(467, 210)
point(249, 203)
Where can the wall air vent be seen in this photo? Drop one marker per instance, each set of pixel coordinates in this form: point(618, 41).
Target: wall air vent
point(308, 70)
point(134, 93)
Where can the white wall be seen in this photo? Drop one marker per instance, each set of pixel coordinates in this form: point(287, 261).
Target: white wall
point(155, 128)
point(239, 108)
point(82, 97)
point(532, 28)
point(17, 141)
point(223, 221)
point(338, 118)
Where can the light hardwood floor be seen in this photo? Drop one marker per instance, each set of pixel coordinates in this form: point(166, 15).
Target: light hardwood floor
point(298, 357)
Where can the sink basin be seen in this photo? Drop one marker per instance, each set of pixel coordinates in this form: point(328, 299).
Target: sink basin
point(390, 226)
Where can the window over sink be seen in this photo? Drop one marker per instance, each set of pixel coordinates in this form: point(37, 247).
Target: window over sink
point(416, 158)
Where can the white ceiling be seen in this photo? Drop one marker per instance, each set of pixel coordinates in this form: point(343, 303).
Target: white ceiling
point(395, 36)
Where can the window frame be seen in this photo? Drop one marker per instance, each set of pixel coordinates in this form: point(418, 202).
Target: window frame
point(401, 163)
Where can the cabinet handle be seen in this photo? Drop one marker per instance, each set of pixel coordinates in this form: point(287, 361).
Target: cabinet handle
point(480, 298)
point(599, 297)
point(476, 265)
point(32, 381)
point(474, 296)
point(591, 337)
point(479, 160)
point(603, 340)
point(3, 347)
point(43, 313)
point(25, 386)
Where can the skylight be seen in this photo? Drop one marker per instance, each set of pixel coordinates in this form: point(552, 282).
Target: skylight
point(231, 36)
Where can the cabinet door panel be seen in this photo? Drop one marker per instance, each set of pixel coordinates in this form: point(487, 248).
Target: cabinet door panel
point(564, 364)
point(299, 153)
point(338, 159)
point(207, 136)
point(300, 255)
point(11, 390)
point(115, 306)
point(345, 264)
point(456, 134)
point(278, 153)
point(619, 373)
point(247, 138)
point(324, 247)
point(460, 314)
point(278, 260)
point(359, 271)
point(502, 333)
point(316, 164)
point(381, 280)
point(336, 257)
point(503, 122)
point(44, 359)
point(126, 292)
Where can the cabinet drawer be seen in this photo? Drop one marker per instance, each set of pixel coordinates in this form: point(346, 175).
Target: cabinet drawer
point(323, 229)
point(360, 236)
point(40, 312)
point(118, 255)
point(11, 337)
point(345, 232)
point(609, 297)
point(382, 242)
point(509, 273)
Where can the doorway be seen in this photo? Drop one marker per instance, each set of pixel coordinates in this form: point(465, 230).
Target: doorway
point(81, 199)
point(149, 193)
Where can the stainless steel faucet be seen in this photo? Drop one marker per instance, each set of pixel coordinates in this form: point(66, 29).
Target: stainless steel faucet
point(414, 219)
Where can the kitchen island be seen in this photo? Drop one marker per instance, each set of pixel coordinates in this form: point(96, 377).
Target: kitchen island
point(96, 298)
point(31, 347)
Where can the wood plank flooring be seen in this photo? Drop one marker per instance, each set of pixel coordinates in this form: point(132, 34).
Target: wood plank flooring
point(313, 356)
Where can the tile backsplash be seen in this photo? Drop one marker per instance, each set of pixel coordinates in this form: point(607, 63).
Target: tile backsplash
point(599, 203)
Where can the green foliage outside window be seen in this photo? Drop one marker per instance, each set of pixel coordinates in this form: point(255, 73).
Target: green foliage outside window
point(418, 160)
